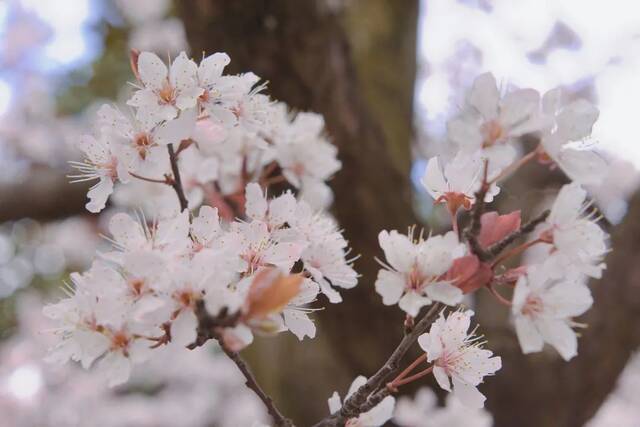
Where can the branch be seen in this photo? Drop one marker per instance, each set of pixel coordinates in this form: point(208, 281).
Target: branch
point(365, 398)
point(176, 183)
point(473, 230)
point(495, 249)
point(251, 383)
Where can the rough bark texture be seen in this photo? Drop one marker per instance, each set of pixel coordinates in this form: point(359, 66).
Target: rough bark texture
point(303, 50)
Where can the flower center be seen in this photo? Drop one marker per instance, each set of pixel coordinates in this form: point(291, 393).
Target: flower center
point(492, 132)
point(532, 306)
point(167, 93)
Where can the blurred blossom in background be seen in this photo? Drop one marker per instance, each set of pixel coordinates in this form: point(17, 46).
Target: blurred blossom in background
point(49, 49)
point(590, 48)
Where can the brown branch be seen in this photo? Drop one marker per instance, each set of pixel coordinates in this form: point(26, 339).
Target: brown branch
point(369, 394)
point(251, 383)
point(176, 183)
point(207, 324)
point(473, 230)
point(495, 249)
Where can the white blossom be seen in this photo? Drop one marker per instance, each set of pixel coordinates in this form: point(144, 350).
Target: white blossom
point(543, 308)
point(579, 244)
point(411, 277)
point(459, 361)
point(490, 123)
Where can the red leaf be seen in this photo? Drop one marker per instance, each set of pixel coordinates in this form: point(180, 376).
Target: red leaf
point(496, 227)
point(469, 274)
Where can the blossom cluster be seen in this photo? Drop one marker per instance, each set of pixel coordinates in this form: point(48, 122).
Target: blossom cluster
point(147, 291)
point(231, 133)
point(226, 259)
point(488, 139)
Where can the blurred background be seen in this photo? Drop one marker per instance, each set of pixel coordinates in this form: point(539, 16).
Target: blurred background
point(386, 75)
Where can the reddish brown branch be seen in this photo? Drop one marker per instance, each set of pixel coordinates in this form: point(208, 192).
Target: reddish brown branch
point(373, 391)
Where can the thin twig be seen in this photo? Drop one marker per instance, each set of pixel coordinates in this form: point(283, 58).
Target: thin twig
point(367, 396)
point(473, 230)
point(252, 383)
point(176, 183)
point(495, 249)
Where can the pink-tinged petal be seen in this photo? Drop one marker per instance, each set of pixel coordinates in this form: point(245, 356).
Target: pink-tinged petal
point(183, 328)
point(399, 250)
point(496, 227)
point(583, 166)
point(390, 285)
point(568, 204)
point(153, 72)
point(464, 134)
point(560, 335)
point(256, 203)
point(433, 179)
point(484, 96)
point(174, 131)
point(299, 324)
point(411, 303)
point(183, 73)
point(518, 108)
point(98, 195)
point(528, 336)
point(211, 68)
point(468, 395)
point(442, 378)
point(444, 292)
point(424, 341)
point(576, 120)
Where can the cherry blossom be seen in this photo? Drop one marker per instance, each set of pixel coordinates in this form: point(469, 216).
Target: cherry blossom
point(459, 361)
point(412, 277)
point(572, 122)
point(489, 122)
point(543, 308)
point(165, 92)
point(579, 244)
point(456, 183)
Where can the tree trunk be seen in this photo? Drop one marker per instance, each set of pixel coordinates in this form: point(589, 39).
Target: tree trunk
point(366, 97)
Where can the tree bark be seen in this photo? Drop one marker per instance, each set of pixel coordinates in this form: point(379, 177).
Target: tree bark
point(366, 97)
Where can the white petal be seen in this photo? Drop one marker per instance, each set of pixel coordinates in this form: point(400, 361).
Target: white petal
point(256, 203)
point(153, 72)
point(390, 286)
point(576, 120)
point(442, 378)
point(484, 96)
point(334, 403)
point(183, 328)
point(299, 324)
point(468, 395)
point(560, 335)
point(528, 336)
point(379, 414)
point(433, 179)
point(411, 303)
point(98, 195)
point(176, 130)
point(211, 68)
point(444, 292)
